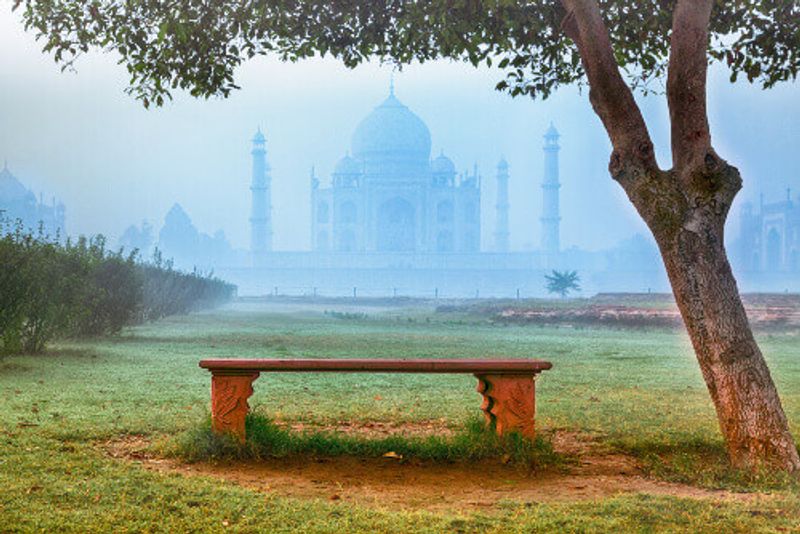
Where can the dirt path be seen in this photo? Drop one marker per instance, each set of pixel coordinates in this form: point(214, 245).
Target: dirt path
point(396, 484)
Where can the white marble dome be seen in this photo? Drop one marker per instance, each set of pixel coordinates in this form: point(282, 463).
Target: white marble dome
point(392, 131)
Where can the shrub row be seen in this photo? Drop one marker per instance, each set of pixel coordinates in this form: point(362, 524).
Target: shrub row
point(80, 289)
point(166, 291)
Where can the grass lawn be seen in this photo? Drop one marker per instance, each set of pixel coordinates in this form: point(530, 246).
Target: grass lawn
point(639, 393)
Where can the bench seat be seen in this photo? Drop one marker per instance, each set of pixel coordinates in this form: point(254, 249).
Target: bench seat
point(507, 385)
point(355, 365)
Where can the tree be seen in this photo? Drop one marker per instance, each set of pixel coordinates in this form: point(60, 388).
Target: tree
point(562, 282)
point(613, 46)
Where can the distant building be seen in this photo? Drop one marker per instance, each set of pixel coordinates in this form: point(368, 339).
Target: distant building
point(392, 220)
point(181, 241)
point(178, 237)
point(388, 196)
point(770, 238)
point(138, 238)
point(18, 203)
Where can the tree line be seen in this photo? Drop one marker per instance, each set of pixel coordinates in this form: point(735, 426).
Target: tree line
point(80, 288)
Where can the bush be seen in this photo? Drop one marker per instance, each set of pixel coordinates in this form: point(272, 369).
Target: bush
point(109, 290)
point(38, 289)
point(169, 292)
point(80, 289)
point(16, 255)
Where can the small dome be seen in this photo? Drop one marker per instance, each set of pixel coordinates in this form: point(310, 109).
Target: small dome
point(347, 165)
point(443, 165)
point(394, 131)
point(502, 164)
point(259, 137)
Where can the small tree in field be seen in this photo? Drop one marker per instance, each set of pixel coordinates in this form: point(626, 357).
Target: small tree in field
point(612, 46)
point(562, 282)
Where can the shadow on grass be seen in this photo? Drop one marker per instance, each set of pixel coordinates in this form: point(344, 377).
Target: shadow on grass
point(53, 351)
point(704, 463)
point(12, 367)
point(265, 439)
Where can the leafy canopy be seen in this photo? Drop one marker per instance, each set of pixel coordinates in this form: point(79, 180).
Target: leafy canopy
point(196, 45)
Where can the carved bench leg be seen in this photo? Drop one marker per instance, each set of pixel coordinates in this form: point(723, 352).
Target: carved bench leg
point(229, 394)
point(509, 402)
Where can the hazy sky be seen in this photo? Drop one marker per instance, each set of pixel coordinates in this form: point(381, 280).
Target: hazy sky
point(79, 137)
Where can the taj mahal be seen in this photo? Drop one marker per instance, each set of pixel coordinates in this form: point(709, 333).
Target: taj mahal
point(394, 215)
point(389, 196)
point(394, 218)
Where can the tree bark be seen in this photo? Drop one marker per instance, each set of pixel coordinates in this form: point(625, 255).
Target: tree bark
point(750, 414)
point(749, 410)
point(686, 208)
point(688, 225)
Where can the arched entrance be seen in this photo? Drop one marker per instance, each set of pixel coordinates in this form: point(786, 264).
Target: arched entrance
point(444, 212)
point(444, 241)
point(347, 241)
point(396, 226)
point(348, 213)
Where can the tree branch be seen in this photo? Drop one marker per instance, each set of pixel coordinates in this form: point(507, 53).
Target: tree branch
point(611, 98)
point(686, 84)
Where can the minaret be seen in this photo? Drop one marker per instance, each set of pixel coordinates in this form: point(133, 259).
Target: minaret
point(501, 224)
point(260, 215)
point(551, 242)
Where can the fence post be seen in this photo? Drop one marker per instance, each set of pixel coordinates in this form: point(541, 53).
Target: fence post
point(517, 294)
point(354, 292)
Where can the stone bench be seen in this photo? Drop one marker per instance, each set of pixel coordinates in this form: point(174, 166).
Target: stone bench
point(507, 386)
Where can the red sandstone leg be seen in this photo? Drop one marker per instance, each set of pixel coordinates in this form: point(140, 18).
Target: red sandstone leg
point(508, 402)
point(229, 394)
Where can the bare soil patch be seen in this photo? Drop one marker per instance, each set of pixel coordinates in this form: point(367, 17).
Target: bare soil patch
point(398, 483)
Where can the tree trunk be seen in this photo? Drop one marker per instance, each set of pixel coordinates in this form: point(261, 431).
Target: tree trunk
point(686, 208)
point(750, 414)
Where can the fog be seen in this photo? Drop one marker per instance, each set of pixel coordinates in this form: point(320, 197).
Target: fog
point(77, 136)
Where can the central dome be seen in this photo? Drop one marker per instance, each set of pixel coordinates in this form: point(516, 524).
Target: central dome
point(392, 131)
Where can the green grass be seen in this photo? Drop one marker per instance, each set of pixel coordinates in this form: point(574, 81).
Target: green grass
point(637, 391)
point(265, 439)
point(706, 465)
